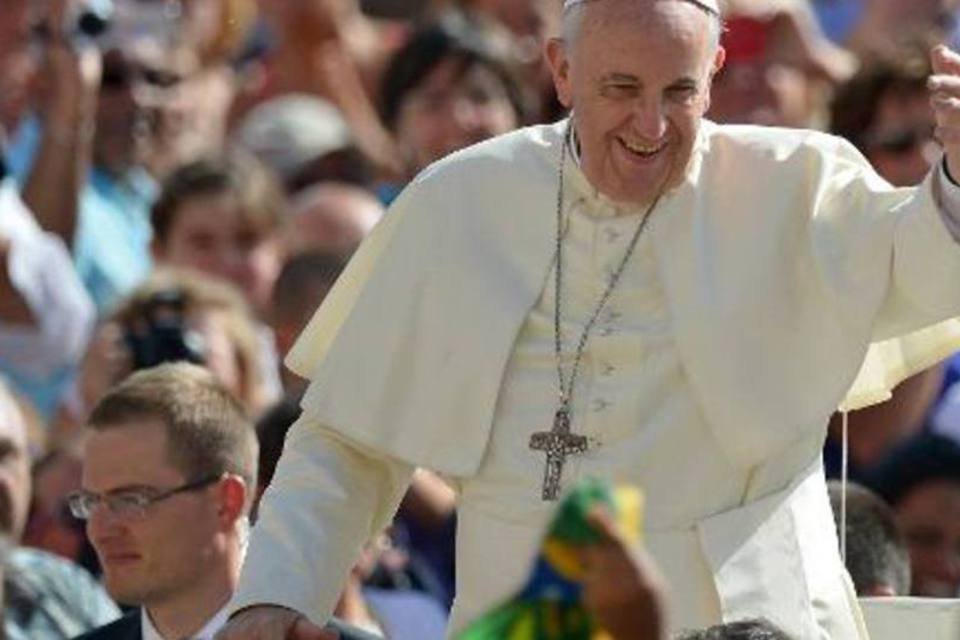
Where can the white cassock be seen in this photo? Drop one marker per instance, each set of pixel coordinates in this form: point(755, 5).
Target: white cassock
point(739, 326)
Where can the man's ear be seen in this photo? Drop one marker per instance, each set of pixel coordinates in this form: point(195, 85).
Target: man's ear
point(234, 494)
point(556, 51)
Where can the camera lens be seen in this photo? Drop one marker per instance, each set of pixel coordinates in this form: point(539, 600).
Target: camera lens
point(92, 18)
point(92, 24)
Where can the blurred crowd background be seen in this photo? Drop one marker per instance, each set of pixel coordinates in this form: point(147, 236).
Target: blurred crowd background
point(193, 176)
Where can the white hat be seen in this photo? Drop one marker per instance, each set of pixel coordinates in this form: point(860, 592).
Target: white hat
point(289, 131)
point(713, 6)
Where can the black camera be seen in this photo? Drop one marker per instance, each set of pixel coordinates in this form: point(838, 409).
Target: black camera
point(161, 334)
point(91, 19)
point(87, 20)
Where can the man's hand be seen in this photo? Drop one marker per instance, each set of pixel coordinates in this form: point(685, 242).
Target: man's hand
point(70, 76)
point(269, 622)
point(944, 87)
point(66, 99)
point(622, 589)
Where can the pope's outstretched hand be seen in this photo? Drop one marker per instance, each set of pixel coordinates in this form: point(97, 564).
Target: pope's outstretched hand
point(267, 622)
point(944, 87)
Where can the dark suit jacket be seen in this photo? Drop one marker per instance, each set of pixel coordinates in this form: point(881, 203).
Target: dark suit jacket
point(128, 628)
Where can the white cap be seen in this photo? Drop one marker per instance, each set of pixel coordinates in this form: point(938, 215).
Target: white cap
point(713, 6)
point(287, 132)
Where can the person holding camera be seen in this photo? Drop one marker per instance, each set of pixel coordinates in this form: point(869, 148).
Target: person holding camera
point(45, 314)
point(176, 315)
point(117, 78)
point(68, 82)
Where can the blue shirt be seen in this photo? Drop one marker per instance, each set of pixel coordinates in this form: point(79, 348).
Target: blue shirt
point(838, 18)
point(111, 245)
point(111, 248)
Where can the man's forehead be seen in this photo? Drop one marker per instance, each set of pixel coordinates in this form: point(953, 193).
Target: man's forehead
point(711, 6)
point(133, 453)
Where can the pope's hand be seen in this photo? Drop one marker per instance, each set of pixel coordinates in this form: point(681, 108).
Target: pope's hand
point(944, 87)
point(267, 622)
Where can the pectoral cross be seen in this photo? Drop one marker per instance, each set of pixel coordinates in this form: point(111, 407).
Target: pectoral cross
point(558, 443)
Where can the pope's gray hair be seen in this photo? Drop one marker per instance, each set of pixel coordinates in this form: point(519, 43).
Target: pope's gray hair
point(573, 19)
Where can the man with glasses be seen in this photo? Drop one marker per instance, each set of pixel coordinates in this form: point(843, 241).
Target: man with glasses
point(168, 481)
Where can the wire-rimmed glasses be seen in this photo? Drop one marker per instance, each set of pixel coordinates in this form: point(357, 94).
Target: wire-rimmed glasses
point(128, 503)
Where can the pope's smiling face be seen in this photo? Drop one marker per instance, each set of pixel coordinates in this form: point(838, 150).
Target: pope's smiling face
point(637, 75)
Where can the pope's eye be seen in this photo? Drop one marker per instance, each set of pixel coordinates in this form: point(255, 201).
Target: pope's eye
point(620, 90)
point(685, 92)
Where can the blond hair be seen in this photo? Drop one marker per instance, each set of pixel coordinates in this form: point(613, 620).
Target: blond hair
point(199, 292)
point(208, 431)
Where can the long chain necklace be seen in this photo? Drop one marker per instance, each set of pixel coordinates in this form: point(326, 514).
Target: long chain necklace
point(559, 442)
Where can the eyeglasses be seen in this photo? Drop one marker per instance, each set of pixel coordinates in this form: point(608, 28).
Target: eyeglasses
point(129, 504)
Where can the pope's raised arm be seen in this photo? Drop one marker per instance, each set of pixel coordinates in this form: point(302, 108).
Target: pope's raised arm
point(945, 97)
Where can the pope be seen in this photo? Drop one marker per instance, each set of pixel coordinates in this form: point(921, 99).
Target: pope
point(635, 294)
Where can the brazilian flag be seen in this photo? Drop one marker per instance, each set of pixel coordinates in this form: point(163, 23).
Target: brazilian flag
point(548, 607)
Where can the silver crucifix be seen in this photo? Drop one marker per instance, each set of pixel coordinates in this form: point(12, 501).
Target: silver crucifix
point(558, 443)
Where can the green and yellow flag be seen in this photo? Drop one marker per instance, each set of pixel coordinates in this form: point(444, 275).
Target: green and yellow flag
point(549, 607)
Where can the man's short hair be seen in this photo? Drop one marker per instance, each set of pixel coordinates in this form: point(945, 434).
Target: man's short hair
point(302, 277)
point(272, 428)
point(208, 432)
point(924, 458)
point(258, 192)
point(754, 629)
point(449, 40)
point(877, 555)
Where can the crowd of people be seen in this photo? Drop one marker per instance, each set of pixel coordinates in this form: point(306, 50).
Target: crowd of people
point(183, 181)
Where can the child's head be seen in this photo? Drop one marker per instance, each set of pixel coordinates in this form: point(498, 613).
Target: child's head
point(223, 215)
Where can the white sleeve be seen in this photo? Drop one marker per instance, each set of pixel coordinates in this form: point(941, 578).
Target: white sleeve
point(328, 497)
point(42, 271)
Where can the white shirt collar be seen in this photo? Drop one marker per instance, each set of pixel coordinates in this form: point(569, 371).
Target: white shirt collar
point(149, 632)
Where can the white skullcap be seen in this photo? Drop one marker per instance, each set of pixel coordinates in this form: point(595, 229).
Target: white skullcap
point(713, 6)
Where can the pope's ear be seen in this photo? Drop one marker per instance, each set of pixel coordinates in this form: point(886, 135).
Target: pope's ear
point(718, 60)
point(560, 70)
